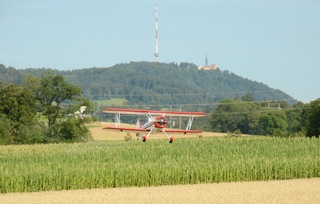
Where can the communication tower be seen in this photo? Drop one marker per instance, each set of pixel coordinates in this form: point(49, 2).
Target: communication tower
point(156, 54)
point(206, 61)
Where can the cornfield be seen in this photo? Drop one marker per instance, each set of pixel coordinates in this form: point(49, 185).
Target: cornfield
point(156, 162)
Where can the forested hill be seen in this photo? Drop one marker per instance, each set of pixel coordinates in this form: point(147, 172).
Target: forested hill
point(157, 83)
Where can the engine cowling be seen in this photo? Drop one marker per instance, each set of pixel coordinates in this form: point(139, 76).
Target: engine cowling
point(160, 122)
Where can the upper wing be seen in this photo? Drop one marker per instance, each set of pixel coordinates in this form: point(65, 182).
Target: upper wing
point(153, 112)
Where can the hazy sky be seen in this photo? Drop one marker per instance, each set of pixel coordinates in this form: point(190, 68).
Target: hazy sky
point(276, 42)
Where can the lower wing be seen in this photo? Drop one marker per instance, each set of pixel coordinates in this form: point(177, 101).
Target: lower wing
point(126, 129)
point(183, 131)
point(146, 130)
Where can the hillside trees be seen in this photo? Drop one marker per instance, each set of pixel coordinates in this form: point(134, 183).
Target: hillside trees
point(160, 83)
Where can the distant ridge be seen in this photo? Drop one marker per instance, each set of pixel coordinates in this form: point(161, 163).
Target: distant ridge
point(157, 83)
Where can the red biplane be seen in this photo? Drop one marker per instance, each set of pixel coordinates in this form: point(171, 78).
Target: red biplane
point(155, 120)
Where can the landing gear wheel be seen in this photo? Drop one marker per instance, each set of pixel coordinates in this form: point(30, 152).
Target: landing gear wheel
point(144, 138)
point(171, 139)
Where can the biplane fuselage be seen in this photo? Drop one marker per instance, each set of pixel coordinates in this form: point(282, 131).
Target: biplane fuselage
point(155, 120)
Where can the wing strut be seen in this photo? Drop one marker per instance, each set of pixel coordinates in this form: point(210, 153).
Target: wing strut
point(117, 120)
point(190, 121)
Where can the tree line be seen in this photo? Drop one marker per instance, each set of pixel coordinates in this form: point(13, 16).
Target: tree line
point(43, 111)
point(278, 119)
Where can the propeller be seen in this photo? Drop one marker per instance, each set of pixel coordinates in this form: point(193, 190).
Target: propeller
point(170, 122)
point(161, 122)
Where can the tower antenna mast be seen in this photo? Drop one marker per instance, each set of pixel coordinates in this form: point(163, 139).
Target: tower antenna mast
point(206, 61)
point(156, 54)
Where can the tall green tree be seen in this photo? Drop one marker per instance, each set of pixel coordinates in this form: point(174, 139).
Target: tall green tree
point(6, 136)
point(313, 121)
point(52, 92)
point(273, 123)
point(23, 110)
point(248, 97)
point(60, 101)
point(232, 115)
point(297, 117)
point(18, 115)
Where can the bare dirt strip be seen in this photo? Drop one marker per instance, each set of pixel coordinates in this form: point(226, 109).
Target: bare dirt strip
point(289, 191)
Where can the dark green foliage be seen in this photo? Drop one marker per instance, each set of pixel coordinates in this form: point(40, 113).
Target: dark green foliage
point(18, 116)
point(296, 117)
point(5, 133)
point(264, 119)
point(256, 118)
point(248, 97)
point(52, 92)
point(313, 124)
point(23, 108)
point(273, 123)
point(232, 115)
point(71, 130)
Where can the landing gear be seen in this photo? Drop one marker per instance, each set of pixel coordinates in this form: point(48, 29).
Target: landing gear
point(171, 139)
point(144, 138)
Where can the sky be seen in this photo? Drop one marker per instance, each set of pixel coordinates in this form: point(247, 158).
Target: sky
point(275, 42)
